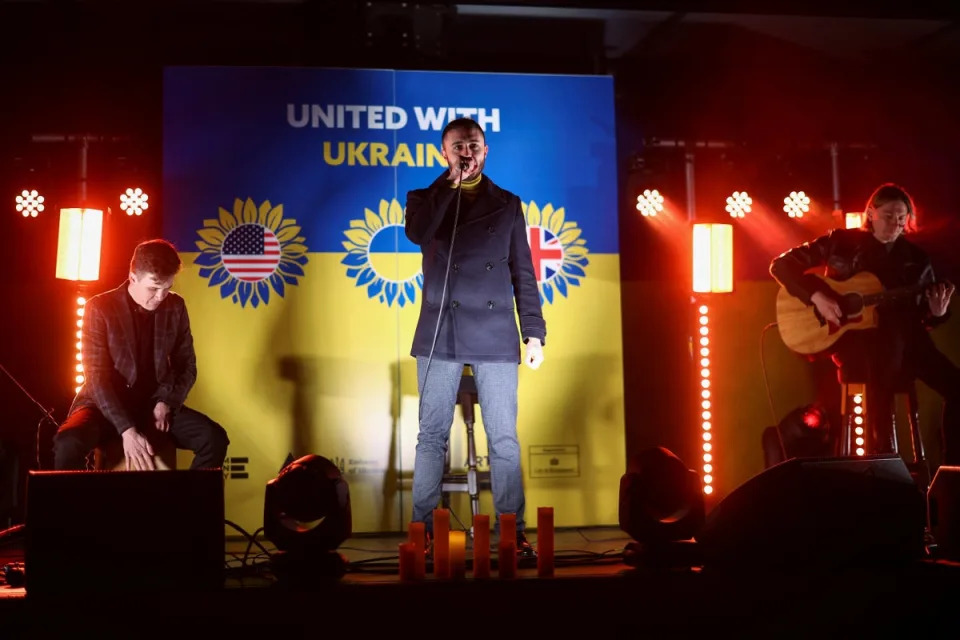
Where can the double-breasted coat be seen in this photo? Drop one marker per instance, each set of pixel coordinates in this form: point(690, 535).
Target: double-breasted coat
point(492, 286)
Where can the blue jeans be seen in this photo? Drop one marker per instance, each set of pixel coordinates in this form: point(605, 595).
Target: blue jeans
point(497, 396)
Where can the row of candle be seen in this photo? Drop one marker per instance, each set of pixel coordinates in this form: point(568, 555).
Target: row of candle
point(449, 547)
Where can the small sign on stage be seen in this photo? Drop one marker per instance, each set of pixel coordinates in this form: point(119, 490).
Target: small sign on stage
point(236, 468)
point(555, 461)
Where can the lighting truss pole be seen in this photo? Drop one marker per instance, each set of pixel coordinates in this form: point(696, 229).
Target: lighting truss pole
point(84, 141)
point(835, 173)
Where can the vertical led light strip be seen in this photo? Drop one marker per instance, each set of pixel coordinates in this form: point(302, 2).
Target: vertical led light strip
point(859, 414)
point(79, 378)
point(706, 415)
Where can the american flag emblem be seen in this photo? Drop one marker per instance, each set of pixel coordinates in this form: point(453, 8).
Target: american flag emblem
point(251, 252)
point(546, 251)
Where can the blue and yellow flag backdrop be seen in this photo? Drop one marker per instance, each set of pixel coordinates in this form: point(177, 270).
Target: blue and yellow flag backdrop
point(284, 191)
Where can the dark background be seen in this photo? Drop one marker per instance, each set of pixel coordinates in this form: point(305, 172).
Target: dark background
point(770, 88)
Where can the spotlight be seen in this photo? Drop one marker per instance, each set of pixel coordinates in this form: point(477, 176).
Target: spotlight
point(796, 204)
point(30, 203)
point(661, 502)
point(814, 417)
point(650, 203)
point(134, 201)
point(306, 514)
point(739, 204)
point(802, 433)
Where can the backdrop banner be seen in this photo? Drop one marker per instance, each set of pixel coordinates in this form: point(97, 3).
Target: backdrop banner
point(284, 191)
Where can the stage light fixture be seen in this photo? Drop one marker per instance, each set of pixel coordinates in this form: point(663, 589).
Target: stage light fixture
point(802, 433)
point(78, 244)
point(307, 515)
point(661, 501)
point(134, 201)
point(796, 204)
point(739, 204)
point(650, 203)
point(30, 203)
point(853, 220)
point(712, 258)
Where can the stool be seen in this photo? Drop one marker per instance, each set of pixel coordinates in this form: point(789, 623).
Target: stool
point(470, 480)
point(918, 465)
point(109, 455)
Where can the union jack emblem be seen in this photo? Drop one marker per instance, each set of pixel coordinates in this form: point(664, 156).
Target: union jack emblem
point(546, 251)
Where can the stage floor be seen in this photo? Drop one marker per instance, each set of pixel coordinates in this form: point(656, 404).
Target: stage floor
point(593, 591)
point(374, 558)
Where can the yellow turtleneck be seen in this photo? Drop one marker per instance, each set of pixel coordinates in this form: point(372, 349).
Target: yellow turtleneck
point(471, 187)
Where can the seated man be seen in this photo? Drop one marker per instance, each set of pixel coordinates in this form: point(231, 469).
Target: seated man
point(900, 348)
point(139, 364)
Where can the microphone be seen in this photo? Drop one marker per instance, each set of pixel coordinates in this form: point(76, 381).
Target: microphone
point(464, 164)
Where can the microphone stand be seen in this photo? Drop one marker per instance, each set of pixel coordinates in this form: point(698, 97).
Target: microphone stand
point(46, 412)
point(446, 278)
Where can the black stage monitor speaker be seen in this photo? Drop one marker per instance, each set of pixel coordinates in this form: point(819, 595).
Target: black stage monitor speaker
point(819, 512)
point(9, 484)
point(124, 531)
point(943, 500)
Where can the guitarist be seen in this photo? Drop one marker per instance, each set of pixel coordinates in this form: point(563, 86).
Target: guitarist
point(900, 347)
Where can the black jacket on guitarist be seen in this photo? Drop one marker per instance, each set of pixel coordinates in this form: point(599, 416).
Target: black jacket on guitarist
point(843, 253)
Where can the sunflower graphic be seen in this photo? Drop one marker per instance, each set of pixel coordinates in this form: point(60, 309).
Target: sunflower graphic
point(559, 252)
point(250, 250)
point(381, 258)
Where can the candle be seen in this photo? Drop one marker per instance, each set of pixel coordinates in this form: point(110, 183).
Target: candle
point(507, 559)
point(417, 536)
point(508, 528)
point(441, 543)
point(458, 549)
point(407, 561)
point(545, 542)
point(481, 546)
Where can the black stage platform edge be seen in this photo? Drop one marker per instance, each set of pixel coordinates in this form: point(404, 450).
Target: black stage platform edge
point(917, 600)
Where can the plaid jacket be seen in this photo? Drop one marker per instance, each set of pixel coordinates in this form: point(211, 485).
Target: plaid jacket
point(109, 356)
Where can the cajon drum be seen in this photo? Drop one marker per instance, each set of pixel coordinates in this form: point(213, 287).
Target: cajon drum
point(109, 456)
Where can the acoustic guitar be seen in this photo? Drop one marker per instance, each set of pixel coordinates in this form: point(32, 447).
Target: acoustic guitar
point(804, 330)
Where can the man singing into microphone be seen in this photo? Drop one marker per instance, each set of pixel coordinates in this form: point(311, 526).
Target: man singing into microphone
point(476, 263)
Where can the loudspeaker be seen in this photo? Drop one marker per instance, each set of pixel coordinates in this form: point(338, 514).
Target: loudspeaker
point(819, 512)
point(943, 504)
point(661, 500)
point(9, 484)
point(124, 531)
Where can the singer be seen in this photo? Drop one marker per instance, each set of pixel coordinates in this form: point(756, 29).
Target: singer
point(477, 279)
point(139, 363)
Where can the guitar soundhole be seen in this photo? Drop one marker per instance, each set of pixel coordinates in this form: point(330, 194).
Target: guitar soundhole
point(852, 305)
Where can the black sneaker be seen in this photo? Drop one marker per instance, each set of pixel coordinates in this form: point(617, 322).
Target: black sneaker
point(524, 548)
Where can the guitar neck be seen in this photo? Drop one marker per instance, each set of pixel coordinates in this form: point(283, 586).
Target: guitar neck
point(891, 295)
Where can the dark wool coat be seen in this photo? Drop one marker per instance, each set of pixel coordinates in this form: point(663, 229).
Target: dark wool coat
point(491, 282)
